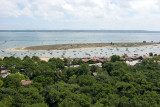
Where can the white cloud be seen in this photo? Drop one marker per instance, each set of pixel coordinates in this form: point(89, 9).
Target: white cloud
point(114, 11)
point(7, 8)
point(144, 5)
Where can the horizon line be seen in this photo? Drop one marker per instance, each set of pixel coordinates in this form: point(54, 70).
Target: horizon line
point(38, 30)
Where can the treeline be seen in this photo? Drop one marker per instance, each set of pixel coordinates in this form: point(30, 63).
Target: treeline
point(54, 85)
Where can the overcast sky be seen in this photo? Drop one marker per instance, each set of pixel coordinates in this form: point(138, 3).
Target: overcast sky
point(80, 14)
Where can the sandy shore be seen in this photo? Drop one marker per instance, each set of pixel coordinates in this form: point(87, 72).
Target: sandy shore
point(79, 46)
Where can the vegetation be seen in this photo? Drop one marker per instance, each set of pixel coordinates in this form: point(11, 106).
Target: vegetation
point(150, 54)
point(54, 85)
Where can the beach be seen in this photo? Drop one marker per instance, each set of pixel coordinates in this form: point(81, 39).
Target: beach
point(80, 46)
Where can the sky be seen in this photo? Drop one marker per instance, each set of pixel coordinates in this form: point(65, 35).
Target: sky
point(80, 15)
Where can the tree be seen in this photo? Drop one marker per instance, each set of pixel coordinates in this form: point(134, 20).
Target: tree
point(115, 58)
point(116, 85)
point(108, 66)
point(66, 62)
point(86, 80)
point(6, 102)
point(36, 58)
point(84, 69)
point(150, 54)
point(141, 58)
point(44, 80)
point(93, 68)
point(13, 80)
point(155, 54)
point(72, 79)
point(125, 89)
point(68, 102)
point(12, 62)
point(74, 62)
point(37, 105)
point(1, 63)
point(1, 83)
point(58, 62)
point(80, 62)
point(98, 104)
point(28, 96)
point(26, 58)
point(82, 99)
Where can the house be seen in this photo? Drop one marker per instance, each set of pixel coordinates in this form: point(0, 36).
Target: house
point(134, 58)
point(131, 58)
point(97, 60)
point(144, 57)
point(3, 68)
point(96, 64)
point(101, 60)
point(94, 59)
point(133, 62)
point(94, 73)
point(61, 58)
point(158, 62)
point(44, 59)
point(25, 82)
point(4, 72)
point(123, 59)
point(75, 66)
point(85, 60)
point(70, 60)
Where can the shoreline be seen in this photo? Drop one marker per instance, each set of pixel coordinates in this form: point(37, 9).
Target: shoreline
point(80, 46)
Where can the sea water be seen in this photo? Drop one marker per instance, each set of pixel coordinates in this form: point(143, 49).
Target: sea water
point(25, 38)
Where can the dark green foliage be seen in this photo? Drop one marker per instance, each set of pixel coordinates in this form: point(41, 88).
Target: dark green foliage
point(94, 68)
point(150, 54)
point(1, 83)
point(36, 58)
point(115, 58)
point(54, 85)
point(84, 69)
point(13, 80)
point(86, 80)
point(77, 62)
point(108, 66)
point(58, 62)
point(66, 62)
point(43, 80)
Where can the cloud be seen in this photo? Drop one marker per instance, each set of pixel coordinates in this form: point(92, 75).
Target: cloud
point(114, 11)
point(6, 9)
point(51, 9)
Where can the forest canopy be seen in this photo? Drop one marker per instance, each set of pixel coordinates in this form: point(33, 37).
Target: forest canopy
point(55, 85)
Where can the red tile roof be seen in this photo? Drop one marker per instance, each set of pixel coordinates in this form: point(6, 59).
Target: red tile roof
point(67, 57)
point(134, 57)
point(85, 60)
point(158, 62)
point(94, 60)
point(101, 60)
point(144, 57)
point(97, 59)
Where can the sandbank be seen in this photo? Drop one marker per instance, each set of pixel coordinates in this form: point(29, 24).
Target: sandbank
point(80, 46)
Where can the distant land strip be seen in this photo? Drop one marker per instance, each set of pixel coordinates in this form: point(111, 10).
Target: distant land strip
point(80, 46)
point(98, 31)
